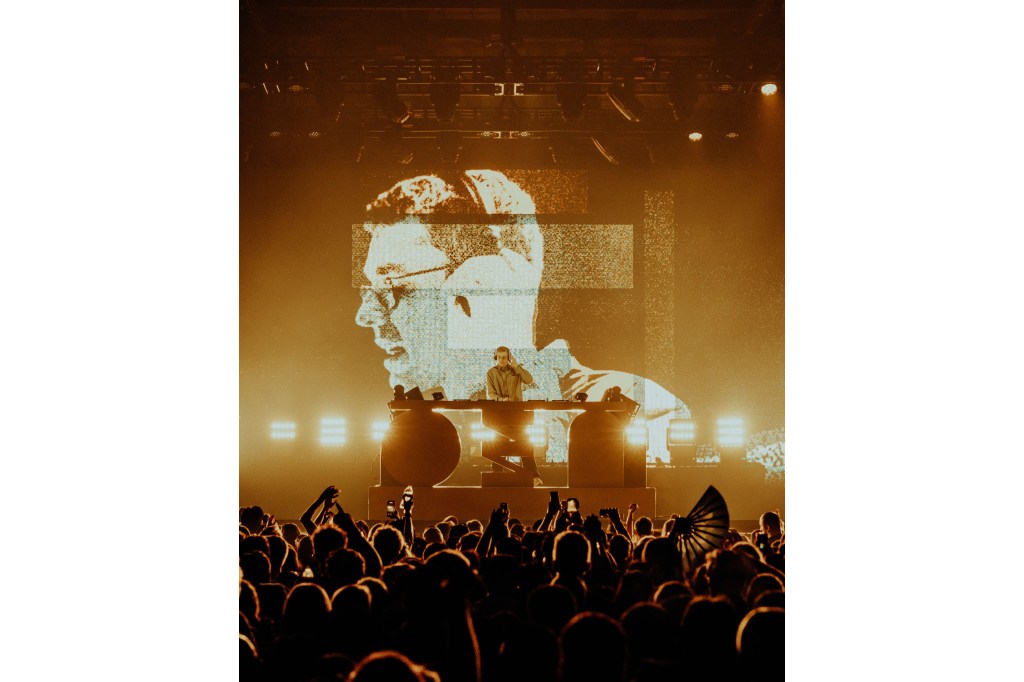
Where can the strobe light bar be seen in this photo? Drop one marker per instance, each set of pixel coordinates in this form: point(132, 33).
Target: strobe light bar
point(380, 428)
point(333, 431)
point(636, 434)
point(681, 432)
point(537, 434)
point(731, 432)
point(480, 432)
point(282, 430)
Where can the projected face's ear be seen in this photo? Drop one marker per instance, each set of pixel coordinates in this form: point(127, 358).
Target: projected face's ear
point(503, 272)
point(463, 303)
point(492, 301)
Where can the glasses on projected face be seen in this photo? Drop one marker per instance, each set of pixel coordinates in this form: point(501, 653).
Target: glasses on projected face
point(390, 295)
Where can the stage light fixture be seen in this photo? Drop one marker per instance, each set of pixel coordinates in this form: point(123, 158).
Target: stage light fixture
point(393, 108)
point(444, 95)
point(571, 91)
point(769, 89)
point(282, 430)
point(683, 92)
point(380, 428)
point(333, 431)
point(636, 434)
point(732, 136)
point(730, 432)
point(608, 156)
point(572, 98)
point(695, 136)
point(449, 146)
point(580, 397)
point(623, 98)
point(681, 432)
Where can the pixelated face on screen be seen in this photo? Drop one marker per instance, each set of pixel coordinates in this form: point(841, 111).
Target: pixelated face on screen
point(404, 303)
point(441, 293)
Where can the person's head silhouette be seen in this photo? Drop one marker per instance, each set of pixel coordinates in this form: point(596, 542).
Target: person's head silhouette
point(592, 648)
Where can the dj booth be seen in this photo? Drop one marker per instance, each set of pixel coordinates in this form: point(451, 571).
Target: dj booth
point(422, 448)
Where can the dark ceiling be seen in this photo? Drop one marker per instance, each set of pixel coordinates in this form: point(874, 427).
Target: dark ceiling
point(356, 73)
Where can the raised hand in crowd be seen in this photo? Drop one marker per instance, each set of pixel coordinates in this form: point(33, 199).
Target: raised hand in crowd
point(567, 515)
point(357, 542)
point(616, 520)
point(562, 518)
point(326, 515)
point(553, 508)
point(592, 530)
point(760, 540)
point(602, 566)
point(270, 525)
point(677, 528)
point(630, 517)
point(326, 499)
point(497, 528)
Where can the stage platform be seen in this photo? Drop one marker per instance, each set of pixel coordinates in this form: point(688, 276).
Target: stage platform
point(285, 486)
point(524, 503)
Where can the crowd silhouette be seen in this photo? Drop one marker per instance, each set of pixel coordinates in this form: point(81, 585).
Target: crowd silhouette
point(565, 598)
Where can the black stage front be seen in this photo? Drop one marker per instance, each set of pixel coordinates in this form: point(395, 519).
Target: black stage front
point(286, 485)
point(670, 490)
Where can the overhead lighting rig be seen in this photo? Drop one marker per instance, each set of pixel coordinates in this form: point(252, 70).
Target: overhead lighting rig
point(360, 100)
